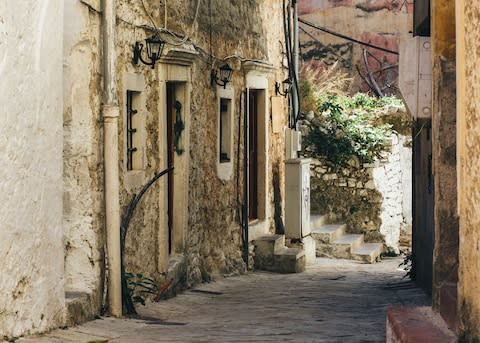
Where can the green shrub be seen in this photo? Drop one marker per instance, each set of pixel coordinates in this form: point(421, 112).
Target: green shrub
point(344, 127)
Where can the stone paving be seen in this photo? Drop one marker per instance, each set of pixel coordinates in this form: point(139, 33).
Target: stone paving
point(332, 301)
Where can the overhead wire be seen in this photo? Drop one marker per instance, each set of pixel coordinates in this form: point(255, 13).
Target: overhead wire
point(340, 35)
point(148, 14)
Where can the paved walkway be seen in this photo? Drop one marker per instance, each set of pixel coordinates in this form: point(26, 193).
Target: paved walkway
point(333, 301)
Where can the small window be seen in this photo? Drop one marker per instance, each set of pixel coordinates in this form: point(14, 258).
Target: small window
point(225, 130)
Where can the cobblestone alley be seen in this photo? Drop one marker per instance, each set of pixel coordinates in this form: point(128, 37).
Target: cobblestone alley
point(333, 301)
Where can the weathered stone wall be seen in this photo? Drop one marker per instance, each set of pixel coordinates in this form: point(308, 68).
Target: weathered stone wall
point(380, 22)
point(368, 197)
point(83, 220)
point(373, 199)
point(250, 31)
point(31, 252)
point(469, 141)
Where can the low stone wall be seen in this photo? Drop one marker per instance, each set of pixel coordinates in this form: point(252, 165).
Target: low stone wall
point(373, 199)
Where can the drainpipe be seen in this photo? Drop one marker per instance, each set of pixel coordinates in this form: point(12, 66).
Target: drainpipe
point(110, 112)
point(295, 103)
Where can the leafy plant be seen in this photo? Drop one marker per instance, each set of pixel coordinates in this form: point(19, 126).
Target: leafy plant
point(408, 266)
point(344, 127)
point(139, 286)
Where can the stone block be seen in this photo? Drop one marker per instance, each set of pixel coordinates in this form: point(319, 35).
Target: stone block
point(416, 325)
point(289, 260)
point(307, 245)
point(265, 248)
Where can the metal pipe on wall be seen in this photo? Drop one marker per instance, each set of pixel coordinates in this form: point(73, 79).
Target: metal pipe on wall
point(111, 112)
point(295, 97)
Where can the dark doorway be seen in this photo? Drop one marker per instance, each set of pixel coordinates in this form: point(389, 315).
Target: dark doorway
point(170, 158)
point(253, 154)
point(423, 199)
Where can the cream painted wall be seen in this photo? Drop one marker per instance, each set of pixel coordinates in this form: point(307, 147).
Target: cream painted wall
point(31, 249)
point(468, 118)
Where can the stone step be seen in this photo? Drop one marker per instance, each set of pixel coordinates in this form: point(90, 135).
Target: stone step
point(341, 247)
point(326, 234)
point(289, 260)
point(318, 220)
point(368, 252)
point(271, 254)
point(265, 248)
point(268, 244)
point(307, 245)
point(78, 308)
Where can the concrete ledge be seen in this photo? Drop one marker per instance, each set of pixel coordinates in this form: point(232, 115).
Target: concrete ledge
point(417, 325)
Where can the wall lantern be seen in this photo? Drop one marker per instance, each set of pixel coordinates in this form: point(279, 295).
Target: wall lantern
point(225, 76)
point(154, 50)
point(286, 86)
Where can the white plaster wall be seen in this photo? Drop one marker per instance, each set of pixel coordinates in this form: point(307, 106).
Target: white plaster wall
point(31, 249)
point(393, 180)
point(82, 164)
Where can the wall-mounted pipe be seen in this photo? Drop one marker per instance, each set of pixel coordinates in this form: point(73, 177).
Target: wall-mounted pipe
point(111, 112)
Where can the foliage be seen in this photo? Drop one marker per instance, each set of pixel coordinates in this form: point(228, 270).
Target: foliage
point(408, 266)
point(323, 80)
point(139, 286)
point(344, 127)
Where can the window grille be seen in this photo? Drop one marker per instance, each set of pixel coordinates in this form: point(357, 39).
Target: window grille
point(131, 131)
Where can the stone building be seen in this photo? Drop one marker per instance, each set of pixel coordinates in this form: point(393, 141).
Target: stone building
point(89, 129)
point(449, 237)
point(383, 23)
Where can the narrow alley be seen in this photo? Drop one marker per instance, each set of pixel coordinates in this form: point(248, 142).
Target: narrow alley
point(332, 301)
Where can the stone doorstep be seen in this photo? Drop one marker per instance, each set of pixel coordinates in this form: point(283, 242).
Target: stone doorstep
point(267, 245)
point(307, 245)
point(417, 325)
point(289, 260)
point(271, 254)
point(368, 252)
point(328, 233)
point(78, 308)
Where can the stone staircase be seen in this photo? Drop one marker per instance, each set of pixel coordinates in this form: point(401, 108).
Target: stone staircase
point(332, 241)
point(271, 254)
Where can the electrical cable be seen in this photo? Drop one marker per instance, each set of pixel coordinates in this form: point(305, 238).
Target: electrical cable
point(166, 17)
point(148, 14)
point(195, 17)
point(315, 26)
point(287, 53)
